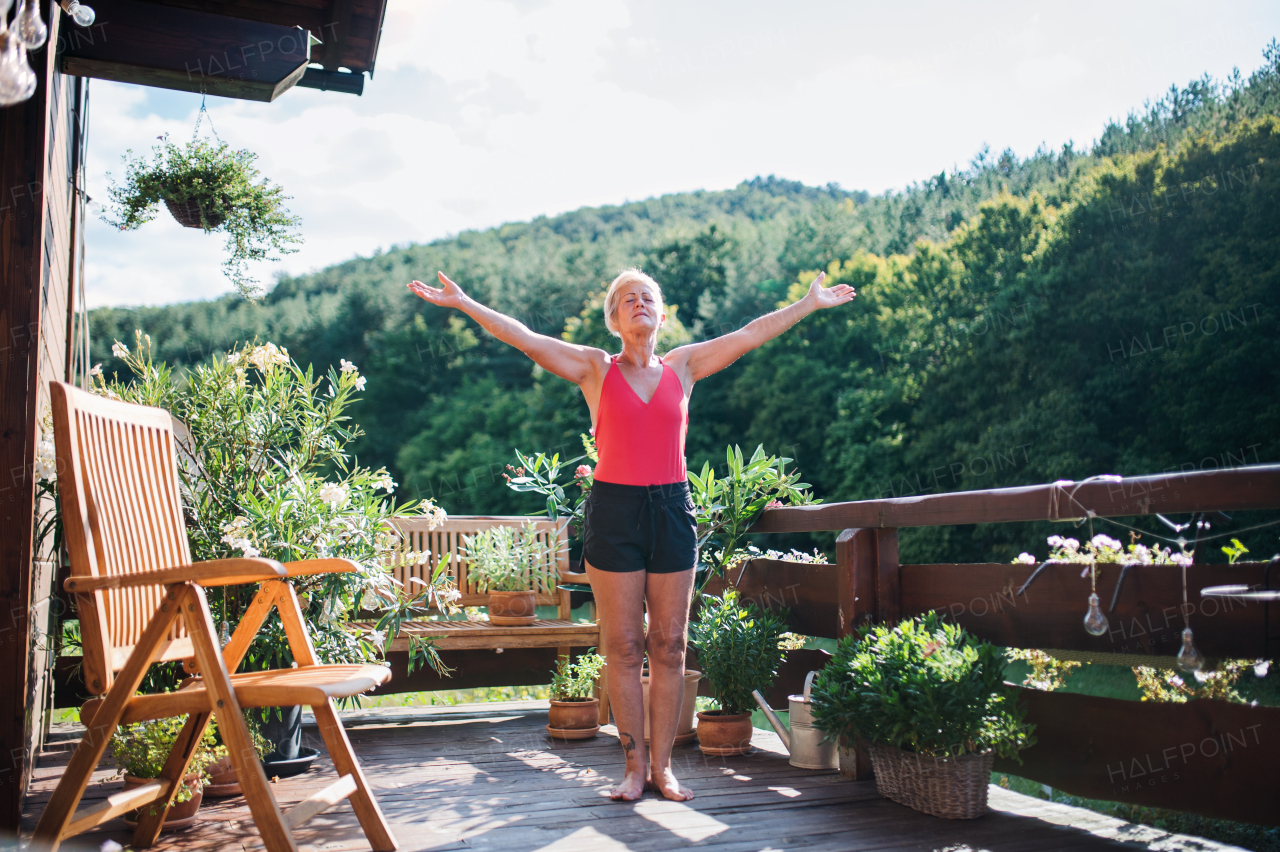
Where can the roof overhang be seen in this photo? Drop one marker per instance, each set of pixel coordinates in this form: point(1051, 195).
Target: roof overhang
point(247, 49)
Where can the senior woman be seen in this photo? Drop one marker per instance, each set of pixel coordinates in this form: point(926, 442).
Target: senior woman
point(640, 538)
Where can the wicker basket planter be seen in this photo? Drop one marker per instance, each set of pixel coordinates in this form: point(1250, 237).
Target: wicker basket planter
point(188, 214)
point(948, 787)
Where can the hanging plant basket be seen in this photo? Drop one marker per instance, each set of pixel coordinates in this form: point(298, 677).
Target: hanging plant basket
point(192, 214)
point(208, 185)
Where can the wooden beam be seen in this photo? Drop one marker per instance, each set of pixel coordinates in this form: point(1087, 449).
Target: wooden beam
point(25, 184)
point(1147, 620)
point(360, 22)
point(318, 802)
point(808, 591)
point(336, 34)
point(1205, 757)
point(151, 45)
point(514, 667)
point(1238, 489)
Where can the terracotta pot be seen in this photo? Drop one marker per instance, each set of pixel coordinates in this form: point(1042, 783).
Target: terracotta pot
point(511, 609)
point(685, 732)
point(182, 814)
point(574, 715)
point(222, 780)
point(720, 735)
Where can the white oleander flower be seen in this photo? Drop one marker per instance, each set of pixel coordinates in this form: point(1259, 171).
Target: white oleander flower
point(96, 371)
point(1261, 667)
point(1025, 558)
point(360, 382)
point(385, 482)
point(1142, 553)
point(347, 366)
point(119, 350)
point(233, 358)
point(268, 356)
point(1183, 559)
point(334, 493)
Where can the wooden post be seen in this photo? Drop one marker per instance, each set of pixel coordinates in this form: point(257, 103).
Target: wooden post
point(888, 577)
point(33, 255)
point(866, 561)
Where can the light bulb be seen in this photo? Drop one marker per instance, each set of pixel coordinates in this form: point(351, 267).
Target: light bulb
point(1095, 621)
point(82, 15)
point(30, 27)
point(1189, 659)
point(224, 635)
point(17, 80)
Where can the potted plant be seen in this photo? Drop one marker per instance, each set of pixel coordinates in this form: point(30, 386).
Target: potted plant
point(209, 186)
point(930, 702)
point(511, 565)
point(739, 649)
point(728, 506)
point(140, 751)
point(265, 469)
point(685, 730)
point(223, 781)
point(575, 712)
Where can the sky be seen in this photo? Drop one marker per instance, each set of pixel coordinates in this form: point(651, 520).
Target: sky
point(482, 112)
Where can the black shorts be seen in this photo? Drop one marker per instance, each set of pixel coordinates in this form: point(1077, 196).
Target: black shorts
point(640, 528)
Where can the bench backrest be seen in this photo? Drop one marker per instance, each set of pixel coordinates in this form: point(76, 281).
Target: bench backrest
point(445, 542)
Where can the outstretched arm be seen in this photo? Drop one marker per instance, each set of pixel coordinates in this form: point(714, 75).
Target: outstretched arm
point(712, 356)
point(567, 360)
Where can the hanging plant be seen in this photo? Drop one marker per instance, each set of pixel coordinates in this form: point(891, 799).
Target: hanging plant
point(208, 185)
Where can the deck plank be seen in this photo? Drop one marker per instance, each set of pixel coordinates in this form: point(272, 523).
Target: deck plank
point(464, 780)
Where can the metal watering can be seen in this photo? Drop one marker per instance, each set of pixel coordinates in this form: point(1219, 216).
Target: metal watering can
point(804, 741)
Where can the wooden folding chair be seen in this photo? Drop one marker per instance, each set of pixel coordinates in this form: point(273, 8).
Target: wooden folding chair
point(141, 601)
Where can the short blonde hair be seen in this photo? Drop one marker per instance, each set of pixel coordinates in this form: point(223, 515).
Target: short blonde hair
point(611, 298)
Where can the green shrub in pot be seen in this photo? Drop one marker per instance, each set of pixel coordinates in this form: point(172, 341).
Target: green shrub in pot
point(924, 686)
point(739, 648)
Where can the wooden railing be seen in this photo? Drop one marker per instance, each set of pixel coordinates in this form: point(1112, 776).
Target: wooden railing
point(1207, 757)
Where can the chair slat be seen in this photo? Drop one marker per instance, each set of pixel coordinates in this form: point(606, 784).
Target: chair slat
point(129, 485)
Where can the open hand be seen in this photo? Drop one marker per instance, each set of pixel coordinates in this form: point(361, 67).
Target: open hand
point(450, 295)
point(829, 297)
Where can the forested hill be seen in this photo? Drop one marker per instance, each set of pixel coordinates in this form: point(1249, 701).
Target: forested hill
point(1110, 310)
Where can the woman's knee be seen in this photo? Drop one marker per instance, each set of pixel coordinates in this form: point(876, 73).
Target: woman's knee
point(626, 653)
point(666, 650)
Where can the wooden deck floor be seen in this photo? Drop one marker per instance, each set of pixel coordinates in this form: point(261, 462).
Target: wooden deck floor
point(489, 778)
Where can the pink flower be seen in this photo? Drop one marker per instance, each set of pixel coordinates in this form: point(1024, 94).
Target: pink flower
point(774, 504)
point(583, 471)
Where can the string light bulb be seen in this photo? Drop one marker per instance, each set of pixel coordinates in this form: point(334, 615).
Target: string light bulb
point(1189, 658)
point(80, 13)
point(1095, 620)
point(29, 25)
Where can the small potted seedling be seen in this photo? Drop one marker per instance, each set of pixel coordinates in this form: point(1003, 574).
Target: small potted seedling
point(575, 712)
point(512, 565)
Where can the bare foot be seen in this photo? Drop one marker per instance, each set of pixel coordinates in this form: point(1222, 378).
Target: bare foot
point(631, 788)
point(664, 782)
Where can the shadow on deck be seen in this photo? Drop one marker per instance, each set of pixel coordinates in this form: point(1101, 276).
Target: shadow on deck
point(488, 777)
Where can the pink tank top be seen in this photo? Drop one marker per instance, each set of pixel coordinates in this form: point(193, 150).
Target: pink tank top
point(641, 443)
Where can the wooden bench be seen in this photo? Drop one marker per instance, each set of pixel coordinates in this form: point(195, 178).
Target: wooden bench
point(445, 542)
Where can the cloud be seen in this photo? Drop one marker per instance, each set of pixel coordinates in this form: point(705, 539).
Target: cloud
point(483, 112)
